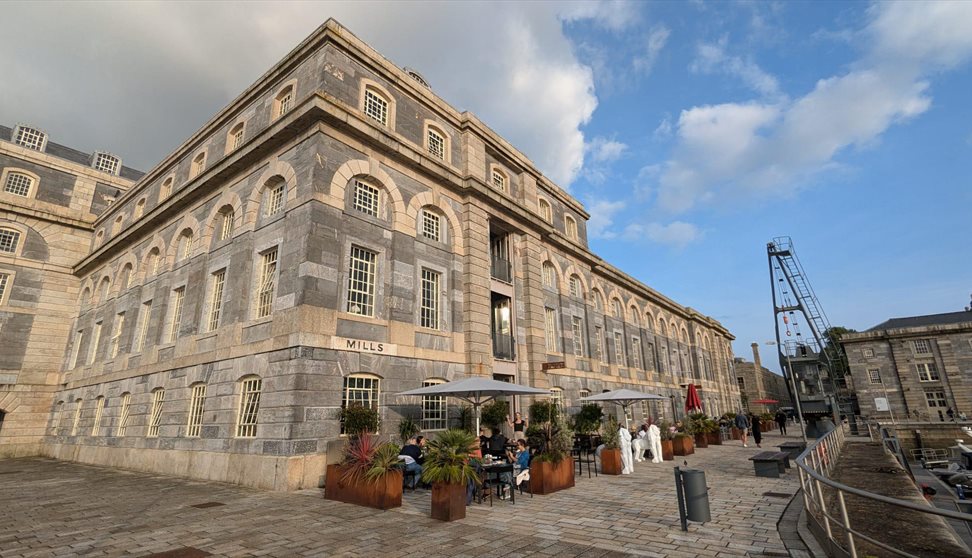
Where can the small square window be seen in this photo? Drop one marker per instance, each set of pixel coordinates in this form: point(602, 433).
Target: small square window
point(376, 107)
point(18, 184)
point(9, 239)
point(365, 198)
point(868, 353)
point(106, 163)
point(431, 226)
point(922, 347)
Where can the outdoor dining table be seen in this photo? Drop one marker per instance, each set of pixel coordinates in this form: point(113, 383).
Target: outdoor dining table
point(494, 470)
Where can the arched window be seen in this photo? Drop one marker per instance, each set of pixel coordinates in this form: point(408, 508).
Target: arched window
point(99, 410)
point(125, 277)
point(435, 410)
point(126, 408)
point(236, 136)
point(366, 198)
point(246, 422)
point(574, 287)
point(596, 298)
point(570, 227)
point(617, 309)
point(437, 142)
point(197, 399)
point(9, 240)
point(18, 184)
point(153, 263)
point(649, 322)
point(85, 297)
point(79, 403)
point(546, 213)
point(376, 105)
point(103, 289)
point(155, 418)
point(662, 330)
point(117, 225)
point(198, 165)
point(185, 245)
point(362, 390)
point(635, 318)
point(139, 209)
point(273, 196)
point(224, 223)
point(557, 397)
point(100, 237)
point(283, 102)
point(549, 275)
point(431, 225)
point(499, 180)
point(166, 189)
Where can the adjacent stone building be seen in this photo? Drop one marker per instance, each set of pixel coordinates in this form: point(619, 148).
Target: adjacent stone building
point(338, 234)
point(757, 382)
point(922, 366)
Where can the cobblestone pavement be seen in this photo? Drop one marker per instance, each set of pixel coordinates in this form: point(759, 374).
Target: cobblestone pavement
point(54, 508)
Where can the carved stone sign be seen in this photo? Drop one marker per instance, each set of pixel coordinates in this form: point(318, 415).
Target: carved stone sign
point(553, 365)
point(362, 346)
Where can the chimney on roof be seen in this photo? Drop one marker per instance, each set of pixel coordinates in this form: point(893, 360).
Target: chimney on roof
point(759, 364)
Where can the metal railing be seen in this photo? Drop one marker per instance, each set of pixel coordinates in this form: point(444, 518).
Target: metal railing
point(815, 466)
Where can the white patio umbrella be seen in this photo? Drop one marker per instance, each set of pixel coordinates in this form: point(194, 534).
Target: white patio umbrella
point(625, 398)
point(476, 391)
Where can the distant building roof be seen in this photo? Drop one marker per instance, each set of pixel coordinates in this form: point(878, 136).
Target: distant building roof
point(73, 155)
point(923, 321)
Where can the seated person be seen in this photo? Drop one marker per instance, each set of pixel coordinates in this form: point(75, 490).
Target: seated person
point(485, 434)
point(411, 454)
point(497, 444)
point(521, 467)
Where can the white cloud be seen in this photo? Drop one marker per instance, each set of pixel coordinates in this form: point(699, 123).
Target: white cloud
point(656, 41)
point(615, 15)
point(603, 150)
point(712, 58)
point(168, 67)
point(664, 129)
point(677, 234)
point(602, 217)
point(735, 150)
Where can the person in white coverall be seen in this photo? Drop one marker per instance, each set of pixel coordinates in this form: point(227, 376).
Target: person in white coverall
point(627, 467)
point(654, 443)
point(639, 444)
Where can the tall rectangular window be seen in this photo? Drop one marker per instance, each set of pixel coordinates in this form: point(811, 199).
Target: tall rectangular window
point(99, 410)
point(216, 298)
point(155, 419)
point(599, 343)
point(126, 408)
point(76, 349)
point(429, 309)
point(196, 400)
point(922, 347)
point(95, 339)
point(268, 281)
point(274, 201)
point(141, 326)
point(246, 425)
point(577, 328)
point(550, 329)
point(376, 107)
point(431, 226)
point(360, 390)
point(636, 357)
point(175, 316)
point(619, 349)
point(927, 371)
point(4, 278)
point(366, 198)
point(434, 410)
point(436, 145)
point(238, 135)
point(116, 332)
point(77, 417)
point(361, 282)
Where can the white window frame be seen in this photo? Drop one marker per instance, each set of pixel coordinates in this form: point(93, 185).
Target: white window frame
point(921, 347)
point(436, 143)
point(123, 414)
point(938, 398)
point(273, 203)
point(619, 349)
point(178, 297)
point(283, 101)
point(548, 275)
point(155, 418)
point(95, 339)
point(225, 229)
point(376, 106)
point(99, 410)
point(366, 385)
point(429, 306)
point(574, 287)
point(106, 162)
point(499, 180)
point(362, 279)
point(867, 353)
point(599, 343)
point(9, 240)
point(166, 189)
point(249, 409)
point(197, 400)
point(141, 326)
point(550, 329)
point(557, 397)
point(267, 285)
point(198, 164)
point(30, 138)
point(577, 329)
point(76, 349)
point(570, 227)
point(77, 416)
point(18, 183)
point(431, 225)
point(366, 198)
point(639, 361)
point(616, 309)
point(927, 372)
point(435, 409)
point(115, 342)
point(187, 241)
point(5, 280)
point(236, 136)
point(217, 282)
point(545, 210)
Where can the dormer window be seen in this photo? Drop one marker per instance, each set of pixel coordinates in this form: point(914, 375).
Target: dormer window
point(106, 163)
point(30, 138)
point(376, 106)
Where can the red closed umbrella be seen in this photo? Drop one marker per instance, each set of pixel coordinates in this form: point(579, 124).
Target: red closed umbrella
point(765, 401)
point(692, 400)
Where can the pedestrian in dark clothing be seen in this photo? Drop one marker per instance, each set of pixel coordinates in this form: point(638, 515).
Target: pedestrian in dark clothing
point(781, 421)
point(755, 427)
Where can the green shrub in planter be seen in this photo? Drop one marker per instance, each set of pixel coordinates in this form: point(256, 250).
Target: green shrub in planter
point(610, 438)
point(358, 419)
point(494, 413)
point(588, 420)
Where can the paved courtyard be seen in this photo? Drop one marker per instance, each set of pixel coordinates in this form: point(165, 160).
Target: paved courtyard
point(53, 508)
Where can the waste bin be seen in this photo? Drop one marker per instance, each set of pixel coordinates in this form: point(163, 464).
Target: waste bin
point(696, 495)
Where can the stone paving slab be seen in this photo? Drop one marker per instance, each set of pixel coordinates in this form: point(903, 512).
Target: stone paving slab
point(55, 508)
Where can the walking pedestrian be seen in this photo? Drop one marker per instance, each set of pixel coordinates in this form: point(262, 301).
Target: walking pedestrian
point(757, 432)
point(742, 423)
point(781, 421)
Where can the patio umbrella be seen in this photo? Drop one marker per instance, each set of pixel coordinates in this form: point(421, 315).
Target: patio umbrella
point(692, 400)
point(623, 397)
point(476, 391)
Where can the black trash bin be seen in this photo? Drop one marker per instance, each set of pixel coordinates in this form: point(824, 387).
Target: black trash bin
point(696, 495)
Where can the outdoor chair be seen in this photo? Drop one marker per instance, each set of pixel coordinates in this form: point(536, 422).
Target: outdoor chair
point(584, 454)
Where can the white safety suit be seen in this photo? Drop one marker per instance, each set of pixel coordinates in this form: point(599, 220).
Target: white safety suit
point(627, 467)
point(654, 443)
point(638, 446)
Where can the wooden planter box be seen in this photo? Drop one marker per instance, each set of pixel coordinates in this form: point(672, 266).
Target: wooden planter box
point(611, 461)
point(736, 433)
point(767, 426)
point(714, 438)
point(448, 501)
point(668, 452)
point(701, 440)
point(383, 495)
point(683, 446)
point(547, 478)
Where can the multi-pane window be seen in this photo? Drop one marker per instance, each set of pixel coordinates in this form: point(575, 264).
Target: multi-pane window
point(9, 239)
point(431, 226)
point(360, 390)
point(268, 282)
point(166, 189)
point(596, 299)
point(197, 166)
point(18, 184)
point(616, 308)
point(226, 217)
point(155, 418)
point(619, 348)
point(4, 278)
point(546, 213)
point(285, 101)
point(498, 179)
point(216, 299)
point(429, 308)
point(927, 371)
point(141, 326)
point(550, 329)
point(365, 198)
point(638, 361)
point(434, 409)
point(196, 400)
point(577, 328)
point(935, 399)
point(376, 107)
point(125, 278)
point(570, 225)
point(77, 416)
point(867, 353)
point(557, 397)
point(175, 314)
point(186, 243)
point(139, 209)
point(436, 144)
point(274, 199)
point(598, 343)
point(574, 286)
point(922, 347)
point(95, 339)
point(126, 408)
point(106, 163)
point(548, 274)
point(361, 282)
point(874, 376)
point(99, 410)
point(29, 138)
point(116, 332)
point(76, 349)
point(236, 136)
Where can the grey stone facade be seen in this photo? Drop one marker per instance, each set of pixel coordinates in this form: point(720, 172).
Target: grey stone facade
point(318, 348)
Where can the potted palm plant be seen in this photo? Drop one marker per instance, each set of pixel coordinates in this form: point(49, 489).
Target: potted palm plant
point(368, 476)
point(448, 470)
point(667, 441)
point(611, 454)
point(552, 467)
point(408, 428)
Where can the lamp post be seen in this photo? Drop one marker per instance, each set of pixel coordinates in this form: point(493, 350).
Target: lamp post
point(796, 394)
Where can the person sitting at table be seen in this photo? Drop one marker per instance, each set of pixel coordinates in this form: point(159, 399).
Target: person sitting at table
point(521, 468)
point(411, 454)
point(485, 433)
point(497, 444)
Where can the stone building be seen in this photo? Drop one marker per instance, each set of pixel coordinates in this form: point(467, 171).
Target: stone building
point(338, 234)
point(922, 366)
point(757, 382)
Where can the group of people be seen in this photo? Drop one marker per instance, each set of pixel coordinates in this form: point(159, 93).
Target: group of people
point(494, 444)
point(633, 448)
point(750, 423)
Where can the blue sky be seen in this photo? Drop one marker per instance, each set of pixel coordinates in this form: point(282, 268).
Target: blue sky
point(694, 132)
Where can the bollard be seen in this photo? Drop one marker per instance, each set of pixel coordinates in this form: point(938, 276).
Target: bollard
point(696, 495)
